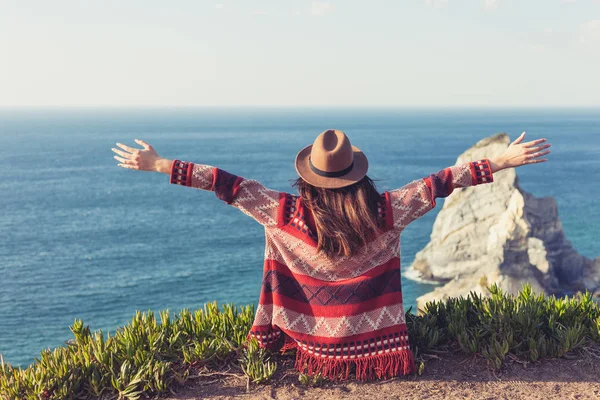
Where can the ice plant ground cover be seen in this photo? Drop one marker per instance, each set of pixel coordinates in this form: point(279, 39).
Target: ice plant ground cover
point(149, 356)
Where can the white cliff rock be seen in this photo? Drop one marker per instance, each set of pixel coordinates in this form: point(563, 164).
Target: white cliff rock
point(498, 233)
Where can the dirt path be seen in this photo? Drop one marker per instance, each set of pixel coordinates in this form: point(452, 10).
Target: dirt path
point(452, 376)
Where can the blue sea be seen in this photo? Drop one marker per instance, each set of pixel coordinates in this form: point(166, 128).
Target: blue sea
point(84, 238)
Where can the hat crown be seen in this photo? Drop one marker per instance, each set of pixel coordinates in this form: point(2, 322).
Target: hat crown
point(332, 151)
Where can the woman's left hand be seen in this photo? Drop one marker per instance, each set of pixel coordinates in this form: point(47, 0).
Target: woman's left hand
point(146, 159)
point(521, 153)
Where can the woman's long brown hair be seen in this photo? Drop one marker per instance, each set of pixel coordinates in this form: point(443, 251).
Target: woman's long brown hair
point(346, 218)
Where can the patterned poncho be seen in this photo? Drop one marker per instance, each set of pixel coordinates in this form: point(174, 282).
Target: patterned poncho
point(342, 315)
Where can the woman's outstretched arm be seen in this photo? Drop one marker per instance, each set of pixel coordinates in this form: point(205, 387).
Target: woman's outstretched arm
point(251, 197)
point(418, 197)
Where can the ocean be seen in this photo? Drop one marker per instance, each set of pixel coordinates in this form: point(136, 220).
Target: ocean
point(83, 238)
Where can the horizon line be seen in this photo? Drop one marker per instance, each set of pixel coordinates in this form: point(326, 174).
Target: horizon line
point(141, 107)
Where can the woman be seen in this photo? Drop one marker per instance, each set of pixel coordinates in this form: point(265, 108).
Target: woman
point(331, 285)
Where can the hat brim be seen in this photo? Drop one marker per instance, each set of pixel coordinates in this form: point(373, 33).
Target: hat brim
point(358, 171)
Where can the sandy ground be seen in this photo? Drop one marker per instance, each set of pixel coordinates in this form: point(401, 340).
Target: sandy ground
point(451, 376)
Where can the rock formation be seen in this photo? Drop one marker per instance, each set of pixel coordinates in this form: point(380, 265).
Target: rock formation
point(498, 233)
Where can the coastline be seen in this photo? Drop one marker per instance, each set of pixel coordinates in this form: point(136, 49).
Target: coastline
point(414, 275)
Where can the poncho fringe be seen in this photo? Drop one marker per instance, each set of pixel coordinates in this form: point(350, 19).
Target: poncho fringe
point(380, 366)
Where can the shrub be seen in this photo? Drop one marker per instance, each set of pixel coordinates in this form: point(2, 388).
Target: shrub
point(256, 363)
point(148, 356)
point(312, 381)
point(144, 357)
point(526, 325)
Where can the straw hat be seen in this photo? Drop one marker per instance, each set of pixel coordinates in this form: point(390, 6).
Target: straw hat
point(331, 161)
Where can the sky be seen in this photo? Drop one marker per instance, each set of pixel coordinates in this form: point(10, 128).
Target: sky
point(290, 53)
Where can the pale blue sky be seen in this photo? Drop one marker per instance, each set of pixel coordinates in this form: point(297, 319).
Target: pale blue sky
point(300, 53)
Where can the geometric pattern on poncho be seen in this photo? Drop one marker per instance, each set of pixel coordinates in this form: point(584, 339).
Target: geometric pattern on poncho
point(358, 292)
point(300, 257)
point(330, 327)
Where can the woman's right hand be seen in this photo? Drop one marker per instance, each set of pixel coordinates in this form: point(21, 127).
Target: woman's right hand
point(146, 159)
point(518, 154)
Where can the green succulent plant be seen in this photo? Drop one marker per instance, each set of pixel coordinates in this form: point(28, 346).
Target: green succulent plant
point(149, 354)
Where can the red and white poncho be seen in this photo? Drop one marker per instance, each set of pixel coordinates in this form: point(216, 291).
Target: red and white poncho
point(341, 312)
